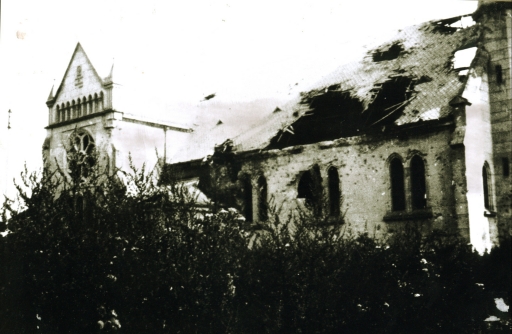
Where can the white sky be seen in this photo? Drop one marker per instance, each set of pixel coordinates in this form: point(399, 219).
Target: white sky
point(177, 52)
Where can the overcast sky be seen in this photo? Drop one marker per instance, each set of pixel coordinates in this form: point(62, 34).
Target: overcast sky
point(175, 53)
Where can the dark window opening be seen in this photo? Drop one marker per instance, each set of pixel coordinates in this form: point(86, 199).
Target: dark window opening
point(262, 199)
point(499, 74)
point(396, 170)
point(418, 184)
point(100, 102)
point(68, 111)
point(505, 167)
point(95, 103)
point(91, 109)
point(334, 192)
point(73, 109)
point(247, 198)
point(84, 106)
point(306, 187)
point(487, 184)
point(310, 188)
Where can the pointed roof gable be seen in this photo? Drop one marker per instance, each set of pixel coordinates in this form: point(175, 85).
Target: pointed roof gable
point(88, 72)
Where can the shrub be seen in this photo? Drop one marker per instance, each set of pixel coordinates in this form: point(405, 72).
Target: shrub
point(98, 254)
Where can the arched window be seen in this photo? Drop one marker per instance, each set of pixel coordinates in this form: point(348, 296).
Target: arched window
point(78, 108)
point(305, 188)
point(68, 111)
point(62, 112)
point(81, 155)
point(310, 189)
point(91, 110)
point(73, 109)
point(262, 199)
point(95, 102)
point(247, 198)
point(334, 191)
point(100, 102)
point(418, 184)
point(84, 106)
point(486, 178)
point(396, 171)
point(57, 113)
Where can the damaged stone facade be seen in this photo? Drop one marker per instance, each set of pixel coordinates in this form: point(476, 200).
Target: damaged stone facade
point(362, 176)
point(409, 135)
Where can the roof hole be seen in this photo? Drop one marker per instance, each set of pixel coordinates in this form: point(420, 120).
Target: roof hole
point(388, 53)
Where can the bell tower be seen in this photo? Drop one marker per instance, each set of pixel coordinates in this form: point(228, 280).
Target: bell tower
point(88, 114)
point(78, 109)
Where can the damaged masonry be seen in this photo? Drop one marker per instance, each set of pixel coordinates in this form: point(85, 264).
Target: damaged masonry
point(416, 132)
point(407, 134)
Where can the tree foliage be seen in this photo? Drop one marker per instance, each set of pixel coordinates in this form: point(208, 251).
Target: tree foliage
point(119, 253)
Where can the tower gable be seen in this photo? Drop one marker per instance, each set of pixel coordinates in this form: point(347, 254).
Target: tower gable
point(81, 91)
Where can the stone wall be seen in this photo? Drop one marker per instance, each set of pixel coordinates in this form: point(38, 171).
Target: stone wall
point(364, 176)
point(116, 138)
point(57, 142)
point(497, 40)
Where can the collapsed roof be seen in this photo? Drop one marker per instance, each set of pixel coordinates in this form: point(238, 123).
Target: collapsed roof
point(409, 79)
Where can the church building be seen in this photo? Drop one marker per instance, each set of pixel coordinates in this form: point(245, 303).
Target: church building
point(86, 115)
point(417, 132)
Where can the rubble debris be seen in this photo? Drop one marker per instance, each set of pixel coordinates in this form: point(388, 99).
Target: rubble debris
point(445, 26)
point(225, 147)
point(389, 102)
point(453, 24)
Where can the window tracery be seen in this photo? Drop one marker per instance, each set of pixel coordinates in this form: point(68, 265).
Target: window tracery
point(81, 155)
